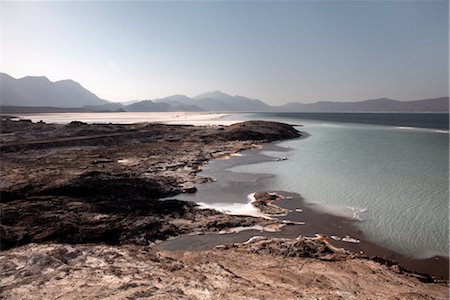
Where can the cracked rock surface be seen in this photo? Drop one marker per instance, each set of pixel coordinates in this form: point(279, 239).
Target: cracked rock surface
point(52, 271)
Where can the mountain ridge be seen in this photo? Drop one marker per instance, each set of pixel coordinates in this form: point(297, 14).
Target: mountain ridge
point(440, 104)
point(38, 91)
point(41, 93)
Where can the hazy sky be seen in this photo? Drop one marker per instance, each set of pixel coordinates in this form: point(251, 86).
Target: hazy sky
point(275, 51)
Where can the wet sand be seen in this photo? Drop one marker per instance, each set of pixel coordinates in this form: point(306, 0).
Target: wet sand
point(229, 186)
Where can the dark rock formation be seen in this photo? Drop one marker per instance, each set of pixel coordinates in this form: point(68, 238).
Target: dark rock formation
point(81, 183)
point(263, 201)
point(260, 131)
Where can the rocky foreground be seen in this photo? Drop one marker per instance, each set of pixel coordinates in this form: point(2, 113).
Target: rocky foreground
point(81, 183)
point(81, 206)
point(260, 269)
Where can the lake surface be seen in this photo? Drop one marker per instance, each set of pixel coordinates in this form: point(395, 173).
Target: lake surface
point(394, 178)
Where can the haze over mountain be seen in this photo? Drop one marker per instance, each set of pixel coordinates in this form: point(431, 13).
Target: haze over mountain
point(373, 105)
point(218, 101)
point(39, 94)
point(39, 91)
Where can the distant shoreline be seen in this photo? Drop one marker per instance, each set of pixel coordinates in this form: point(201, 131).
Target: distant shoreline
point(415, 120)
point(182, 118)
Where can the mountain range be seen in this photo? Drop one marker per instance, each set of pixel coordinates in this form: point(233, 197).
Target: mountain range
point(39, 91)
point(39, 94)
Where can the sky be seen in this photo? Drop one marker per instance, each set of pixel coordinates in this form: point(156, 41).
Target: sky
point(278, 52)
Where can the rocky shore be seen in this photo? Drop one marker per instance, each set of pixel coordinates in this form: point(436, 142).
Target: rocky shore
point(81, 183)
point(82, 205)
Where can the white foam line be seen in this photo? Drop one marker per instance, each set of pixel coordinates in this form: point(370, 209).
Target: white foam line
point(423, 129)
point(441, 131)
point(341, 211)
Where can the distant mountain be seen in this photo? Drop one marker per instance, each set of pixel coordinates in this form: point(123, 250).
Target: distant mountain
point(130, 102)
point(177, 100)
point(38, 94)
point(215, 101)
point(108, 107)
point(180, 103)
point(218, 101)
point(148, 105)
point(41, 92)
point(372, 105)
point(218, 95)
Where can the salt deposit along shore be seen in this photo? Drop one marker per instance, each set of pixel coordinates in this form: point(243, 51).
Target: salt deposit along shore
point(81, 209)
point(192, 118)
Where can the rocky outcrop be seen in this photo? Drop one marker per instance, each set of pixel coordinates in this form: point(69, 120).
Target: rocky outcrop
point(81, 183)
point(301, 246)
point(264, 202)
point(260, 131)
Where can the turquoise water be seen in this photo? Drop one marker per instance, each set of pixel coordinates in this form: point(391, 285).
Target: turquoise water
point(394, 178)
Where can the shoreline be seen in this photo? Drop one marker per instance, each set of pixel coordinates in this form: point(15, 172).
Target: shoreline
point(112, 193)
point(314, 225)
point(83, 206)
point(312, 214)
point(122, 196)
point(435, 265)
